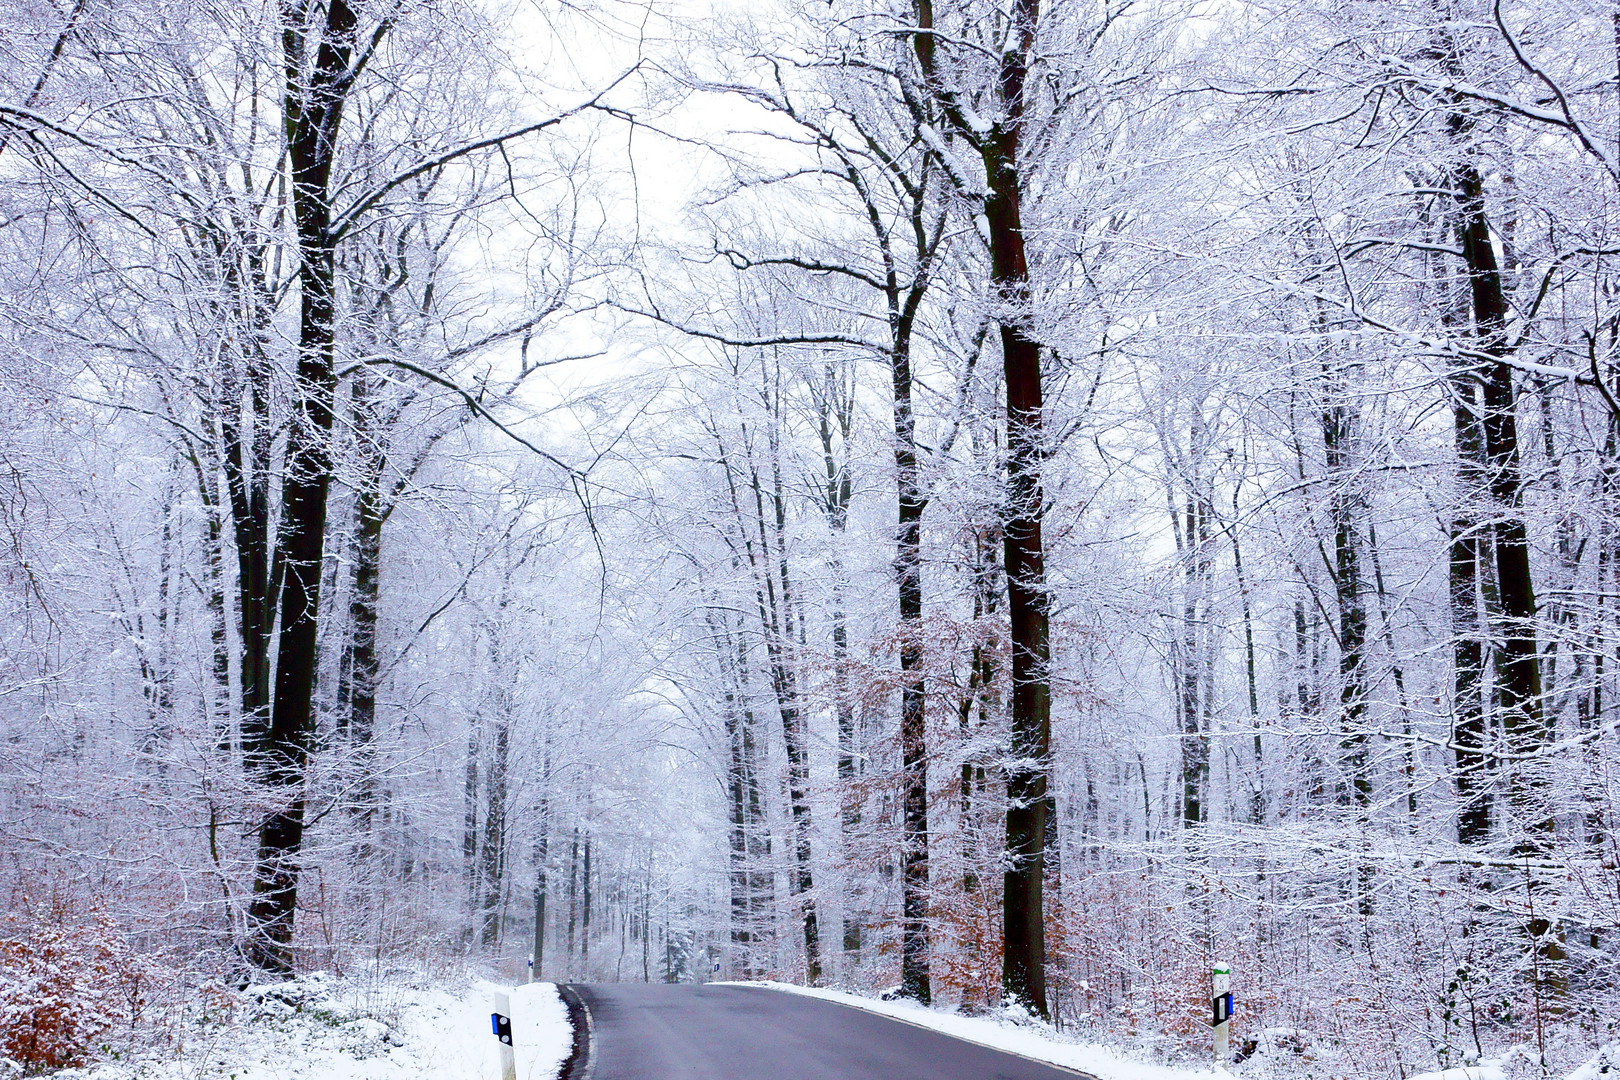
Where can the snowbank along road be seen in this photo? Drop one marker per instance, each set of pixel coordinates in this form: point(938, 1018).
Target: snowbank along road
point(661, 1032)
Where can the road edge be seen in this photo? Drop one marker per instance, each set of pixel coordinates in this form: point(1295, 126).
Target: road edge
point(578, 1064)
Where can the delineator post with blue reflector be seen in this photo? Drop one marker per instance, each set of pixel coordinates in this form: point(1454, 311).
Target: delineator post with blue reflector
point(1221, 1009)
point(500, 1021)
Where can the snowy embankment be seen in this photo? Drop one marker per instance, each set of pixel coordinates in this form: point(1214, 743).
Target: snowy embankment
point(1520, 1062)
point(1024, 1038)
point(320, 1028)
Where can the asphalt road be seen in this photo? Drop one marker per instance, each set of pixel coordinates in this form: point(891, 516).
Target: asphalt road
point(659, 1032)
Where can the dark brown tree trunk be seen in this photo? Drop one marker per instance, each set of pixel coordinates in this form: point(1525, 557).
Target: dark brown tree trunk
point(1346, 509)
point(1023, 915)
point(247, 464)
point(1024, 964)
point(312, 109)
point(914, 980)
point(1467, 552)
point(1518, 662)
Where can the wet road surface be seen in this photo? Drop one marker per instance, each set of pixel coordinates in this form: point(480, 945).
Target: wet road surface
point(662, 1032)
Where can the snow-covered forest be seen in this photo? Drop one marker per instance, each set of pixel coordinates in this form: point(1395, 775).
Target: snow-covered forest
point(999, 500)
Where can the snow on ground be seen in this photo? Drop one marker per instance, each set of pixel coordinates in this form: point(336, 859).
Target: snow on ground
point(1488, 1071)
point(1521, 1061)
point(1025, 1038)
point(541, 1033)
point(320, 1028)
point(1604, 1065)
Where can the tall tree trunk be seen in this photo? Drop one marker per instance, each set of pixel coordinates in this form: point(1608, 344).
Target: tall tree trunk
point(1307, 704)
point(492, 863)
point(737, 857)
point(585, 911)
point(1193, 536)
point(774, 602)
point(492, 856)
point(469, 818)
point(1467, 551)
point(1397, 673)
point(1024, 964)
point(1513, 630)
point(1347, 510)
point(573, 892)
point(245, 437)
point(981, 687)
point(359, 692)
point(160, 687)
point(542, 841)
point(312, 110)
point(914, 981)
point(1023, 916)
point(795, 737)
point(1517, 662)
point(761, 875)
point(1257, 791)
point(834, 403)
point(217, 697)
point(748, 859)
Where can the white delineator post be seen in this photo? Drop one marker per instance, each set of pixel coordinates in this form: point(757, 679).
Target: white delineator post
point(1221, 1002)
point(501, 1022)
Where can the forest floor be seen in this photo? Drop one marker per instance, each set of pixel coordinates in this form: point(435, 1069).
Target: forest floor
point(320, 1028)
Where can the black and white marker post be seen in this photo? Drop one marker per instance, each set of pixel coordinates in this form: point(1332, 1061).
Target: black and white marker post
point(1221, 1000)
point(501, 1021)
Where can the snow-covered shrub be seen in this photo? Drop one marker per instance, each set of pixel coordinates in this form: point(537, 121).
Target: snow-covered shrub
point(1604, 1065)
point(65, 980)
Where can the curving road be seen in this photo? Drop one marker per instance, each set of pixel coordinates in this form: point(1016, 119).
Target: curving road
point(660, 1032)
